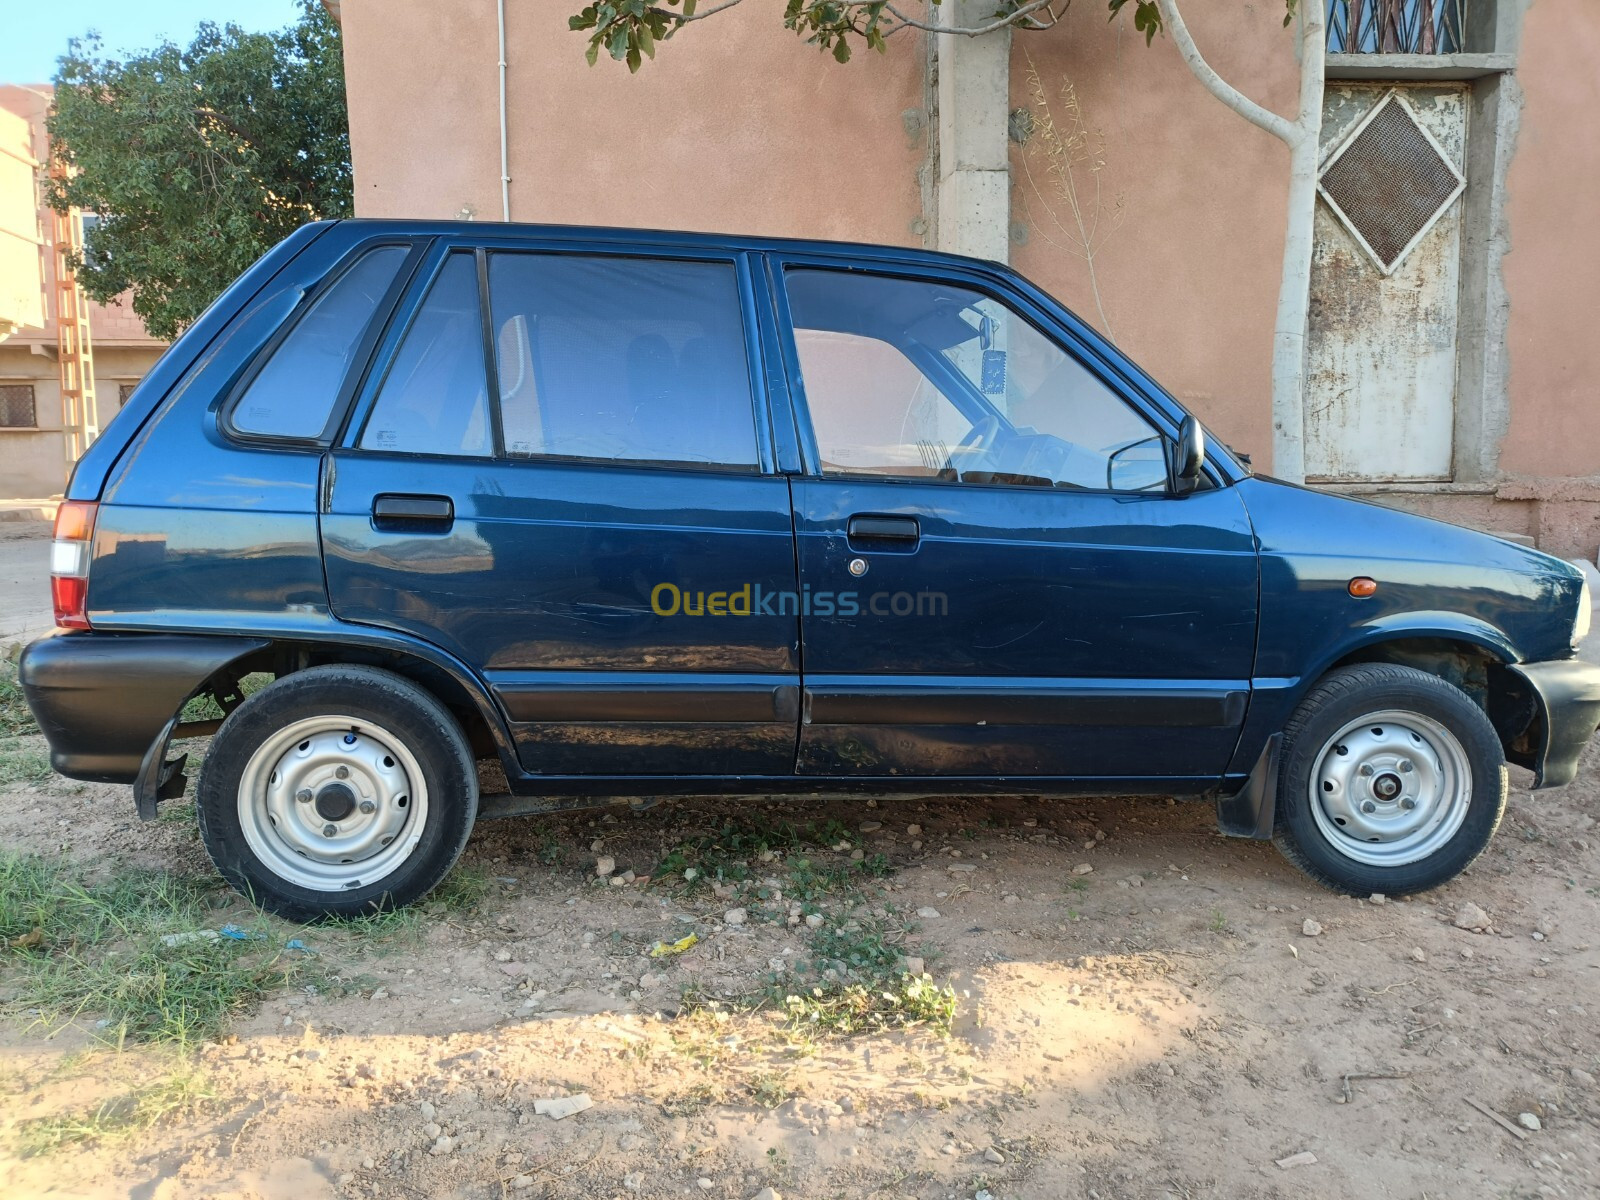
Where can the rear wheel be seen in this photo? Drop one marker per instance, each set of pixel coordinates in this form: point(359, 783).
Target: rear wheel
point(336, 791)
point(1392, 780)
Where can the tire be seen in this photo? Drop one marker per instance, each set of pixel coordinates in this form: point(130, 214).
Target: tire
point(337, 791)
point(1391, 780)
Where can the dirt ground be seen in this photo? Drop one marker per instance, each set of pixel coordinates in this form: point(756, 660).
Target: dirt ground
point(1161, 1025)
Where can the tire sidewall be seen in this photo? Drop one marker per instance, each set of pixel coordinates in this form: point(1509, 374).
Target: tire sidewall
point(1335, 703)
point(367, 694)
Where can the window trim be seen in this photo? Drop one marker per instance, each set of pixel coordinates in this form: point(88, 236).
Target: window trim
point(372, 390)
point(361, 357)
point(756, 360)
point(1112, 380)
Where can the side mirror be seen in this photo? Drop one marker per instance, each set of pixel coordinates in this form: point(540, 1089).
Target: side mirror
point(1188, 457)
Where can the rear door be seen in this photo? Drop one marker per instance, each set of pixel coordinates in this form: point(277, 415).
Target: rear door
point(559, 473)
point(998, 580)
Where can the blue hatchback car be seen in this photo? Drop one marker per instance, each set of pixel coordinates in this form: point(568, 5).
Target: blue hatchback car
point(636, 513)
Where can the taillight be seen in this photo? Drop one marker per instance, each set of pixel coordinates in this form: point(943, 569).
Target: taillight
point(69, 563)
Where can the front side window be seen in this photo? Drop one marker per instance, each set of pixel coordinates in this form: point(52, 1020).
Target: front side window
point(293, 395)
point(618, 359)
point(434, 400)
point(929, 380)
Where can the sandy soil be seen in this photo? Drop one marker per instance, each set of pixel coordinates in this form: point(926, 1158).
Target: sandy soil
point(1161, 1026)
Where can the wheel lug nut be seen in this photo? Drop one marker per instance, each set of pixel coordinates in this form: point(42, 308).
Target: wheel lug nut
point(329, 830)
point(367, 806)
point(341, 772)
point(1366, 770)
point(303, 795)
point(1408, 804)
point(1367, 806)
point(1405, 766)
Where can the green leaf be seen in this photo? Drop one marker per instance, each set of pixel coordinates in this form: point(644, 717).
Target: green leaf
point(593, 52)
point(841, 51)
point(647, 43)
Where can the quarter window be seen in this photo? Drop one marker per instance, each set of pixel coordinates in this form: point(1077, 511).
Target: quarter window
point(629, 360)
point(434, 399)
point(929, 380)
point(292, 396)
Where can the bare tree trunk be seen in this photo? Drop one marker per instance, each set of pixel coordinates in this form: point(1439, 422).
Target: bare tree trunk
point(1302, 136)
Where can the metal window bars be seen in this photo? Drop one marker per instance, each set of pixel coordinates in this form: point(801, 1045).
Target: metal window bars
point(1396, 26)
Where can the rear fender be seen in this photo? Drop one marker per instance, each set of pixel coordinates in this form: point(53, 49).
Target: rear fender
point(102, 699)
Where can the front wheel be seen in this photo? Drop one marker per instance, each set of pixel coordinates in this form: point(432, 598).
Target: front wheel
point(336, 791)
point(1392, 780)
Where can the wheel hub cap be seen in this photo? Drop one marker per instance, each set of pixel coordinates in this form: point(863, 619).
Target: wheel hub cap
point(332, 803)
point(1390, 788)
point(336, 802)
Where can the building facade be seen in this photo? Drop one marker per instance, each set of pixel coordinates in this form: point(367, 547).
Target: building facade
point(46, 413)
point(1449, 367)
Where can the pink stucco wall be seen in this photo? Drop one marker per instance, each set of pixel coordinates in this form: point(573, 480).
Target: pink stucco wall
point(735, 126)
point(1189, 272)
point(1552, 273)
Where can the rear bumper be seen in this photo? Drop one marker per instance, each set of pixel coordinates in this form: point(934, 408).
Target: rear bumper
point(102, 699)
point(1567, 694)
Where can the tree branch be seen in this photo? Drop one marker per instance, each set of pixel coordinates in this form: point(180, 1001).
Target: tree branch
point(701, 15)
point(1313, 62)
point(1023, 18)
point(1279, 127)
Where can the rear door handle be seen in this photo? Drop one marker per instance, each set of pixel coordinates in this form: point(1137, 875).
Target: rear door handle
point(394, 511)
point(902, 531)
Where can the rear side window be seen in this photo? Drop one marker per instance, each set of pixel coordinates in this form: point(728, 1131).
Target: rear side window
point(292, 396)
point(434, 399)
point(629, 360)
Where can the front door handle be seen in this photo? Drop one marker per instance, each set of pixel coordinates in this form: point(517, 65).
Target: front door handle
point(901, 533)
point(413, 513)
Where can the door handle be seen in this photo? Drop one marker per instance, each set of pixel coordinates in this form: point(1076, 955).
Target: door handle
point(904, 531)
point(392, 511)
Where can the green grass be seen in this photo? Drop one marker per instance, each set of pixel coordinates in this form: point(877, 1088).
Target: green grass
point(23, 764)
point(851, 1008)
point(463, 889)
point(15, 718)
point(92, 949)
point(180, 1094)
point(734, 854)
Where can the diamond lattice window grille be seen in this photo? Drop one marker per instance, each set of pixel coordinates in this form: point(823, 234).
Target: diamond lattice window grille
point(1389, 181)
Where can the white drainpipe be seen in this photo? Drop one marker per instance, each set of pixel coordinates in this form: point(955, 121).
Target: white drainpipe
point(505, 158)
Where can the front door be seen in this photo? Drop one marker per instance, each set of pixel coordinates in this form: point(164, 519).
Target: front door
point(996, 578)
point(568, 497)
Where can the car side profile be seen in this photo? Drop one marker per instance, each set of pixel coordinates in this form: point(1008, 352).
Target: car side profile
point(633, 514)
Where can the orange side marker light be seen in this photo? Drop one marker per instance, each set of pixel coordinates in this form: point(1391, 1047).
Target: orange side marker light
point(1363, 586)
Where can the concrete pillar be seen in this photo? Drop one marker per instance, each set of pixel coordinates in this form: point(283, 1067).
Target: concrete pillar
point(973, 200)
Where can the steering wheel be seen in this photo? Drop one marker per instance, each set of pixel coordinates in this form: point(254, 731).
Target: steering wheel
point(981, 436)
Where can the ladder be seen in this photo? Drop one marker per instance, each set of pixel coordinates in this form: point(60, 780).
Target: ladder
point(80, 423)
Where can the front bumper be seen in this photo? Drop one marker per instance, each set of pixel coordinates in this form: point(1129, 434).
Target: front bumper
point(1567, 697)
point(102, 699)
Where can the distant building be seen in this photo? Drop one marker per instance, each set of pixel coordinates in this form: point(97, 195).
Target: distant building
point(1451, 361)
point(38, 444)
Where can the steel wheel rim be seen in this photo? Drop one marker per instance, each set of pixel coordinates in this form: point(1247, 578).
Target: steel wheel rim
point(1390, 788)
point(332, 803)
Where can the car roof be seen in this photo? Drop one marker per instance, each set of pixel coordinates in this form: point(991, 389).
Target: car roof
point(671, 238)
